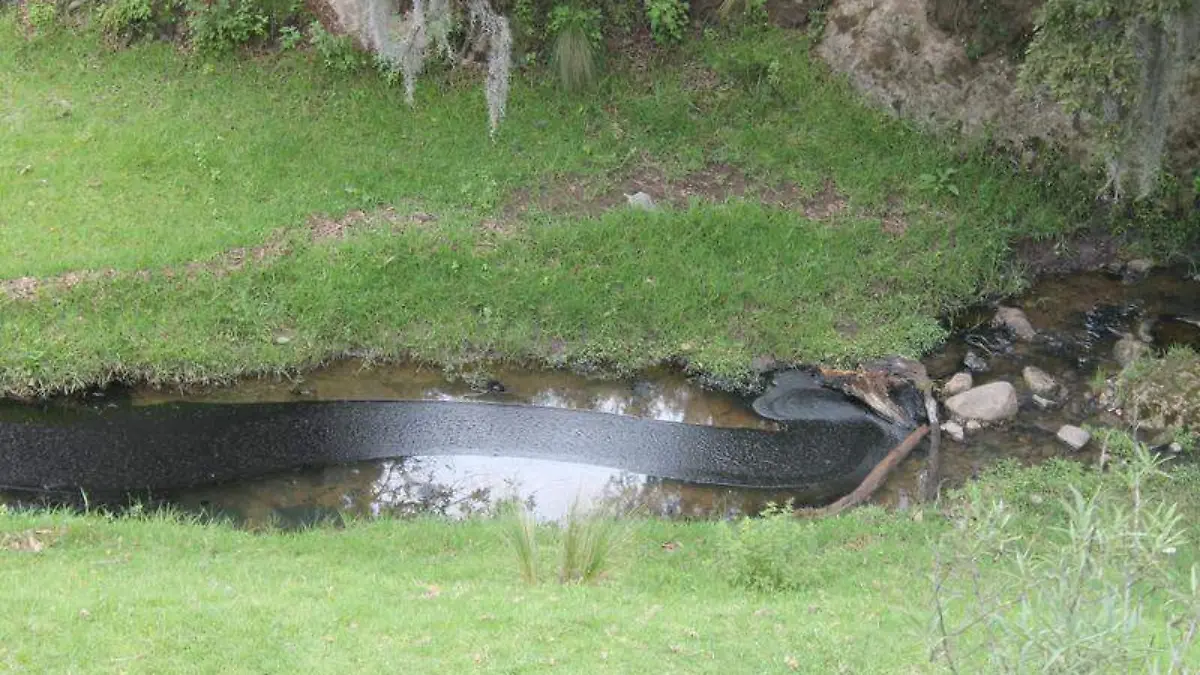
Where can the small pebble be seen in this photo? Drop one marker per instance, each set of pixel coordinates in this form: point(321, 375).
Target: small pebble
point(1073, 436)
point(954, 430)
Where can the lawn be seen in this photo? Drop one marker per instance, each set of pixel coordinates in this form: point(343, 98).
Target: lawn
point(793, 222)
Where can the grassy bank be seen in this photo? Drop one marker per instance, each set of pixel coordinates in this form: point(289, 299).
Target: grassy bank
point(152, 594)
point(794, 222)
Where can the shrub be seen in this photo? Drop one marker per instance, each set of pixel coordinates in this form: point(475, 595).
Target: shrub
point(40, 16)
point(577, 39)
point(221, 25)
point(337, 52)
point(762, 553)
point(668, 18)
point(1102, 593)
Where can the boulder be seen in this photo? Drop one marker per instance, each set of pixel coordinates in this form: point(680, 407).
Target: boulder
point(1073, 436)
point(1016, 322)
point(975, 363)
point(991, 402)
point(1128, 349)
point(1040, 382)
point(958, 384)
point(954, 430)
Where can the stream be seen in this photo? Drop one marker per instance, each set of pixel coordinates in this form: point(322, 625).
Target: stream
point(354, 439)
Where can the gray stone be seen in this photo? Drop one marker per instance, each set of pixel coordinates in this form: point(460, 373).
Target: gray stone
point(975, 363)
point(954, 430)
point(282, 340)
point(1136, 270)
point(1043, 402)
point(1016, 322)
point(987, 403)
point(1073, 436)
point(641, 200)
point(958, 384)
point(973, 425)
point(1039, 381)
point(1128, 349)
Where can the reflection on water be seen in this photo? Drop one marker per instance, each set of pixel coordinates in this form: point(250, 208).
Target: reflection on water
point(658, 394)
point(463, 486)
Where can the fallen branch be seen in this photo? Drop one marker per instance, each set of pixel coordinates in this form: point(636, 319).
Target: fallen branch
point(873, 480)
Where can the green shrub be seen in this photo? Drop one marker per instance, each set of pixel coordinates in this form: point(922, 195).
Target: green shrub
point(221, 25)
point(668, 18)
point(577, 39)
point(762, 553)
point(337, 52)
point(41, 16)
point(1101, 593)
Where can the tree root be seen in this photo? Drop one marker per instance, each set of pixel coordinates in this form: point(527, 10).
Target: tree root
point(873, 480)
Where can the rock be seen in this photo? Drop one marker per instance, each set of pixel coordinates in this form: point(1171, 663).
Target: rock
point(1073, 436)
point(1039, 381)
point(1128, 349)
point(954, 430)
point(1136, 270)
point(75, 4)
point(282, 340)
point(958, 384)
point(1044, 403)
point(763, 364)
point(641, 200)
point(975, 363)
point(987, 403)
point(973, 425)
point(1016, 322)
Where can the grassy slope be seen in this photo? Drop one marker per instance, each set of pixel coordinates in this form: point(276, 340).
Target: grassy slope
point(143, 158)
point(154, 595)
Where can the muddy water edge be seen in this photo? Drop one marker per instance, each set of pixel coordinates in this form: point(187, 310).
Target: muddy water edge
point(1078, 319)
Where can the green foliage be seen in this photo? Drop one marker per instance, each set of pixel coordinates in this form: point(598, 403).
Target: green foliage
point(127, 19)
point(221, 25)
point(668, 19)
point(1101, 593)
point(762, 553)
point(939, 182)
point(290, 38)
point(743, 12)
point(338, 52)
point(41, 16)
point(577, 40)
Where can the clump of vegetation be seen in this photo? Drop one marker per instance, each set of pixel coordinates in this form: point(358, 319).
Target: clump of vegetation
point(762, 553)
point(221, 25)
point(577, 40)
point(1162, 393)
point(521, 533)
point(668, 19)
point(589, 541)
point(1100, 593)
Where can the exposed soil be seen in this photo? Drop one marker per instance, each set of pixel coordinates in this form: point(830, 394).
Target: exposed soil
point(1083, 251)
point(319, 228)
point(714, 184)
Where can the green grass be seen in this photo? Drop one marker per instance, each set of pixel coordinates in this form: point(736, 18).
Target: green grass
point(157, 596)
point(152, 594)
point(145, 158)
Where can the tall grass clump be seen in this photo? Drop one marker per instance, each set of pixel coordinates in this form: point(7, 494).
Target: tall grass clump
point(577, 39)
point(588, 543)
point(521, 533)
point(1102, 592)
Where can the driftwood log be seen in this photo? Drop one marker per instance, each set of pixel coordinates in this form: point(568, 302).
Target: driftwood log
point(873, 480)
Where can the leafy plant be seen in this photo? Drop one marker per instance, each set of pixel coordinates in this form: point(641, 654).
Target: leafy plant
point(577, 39)
point(746, 12)
point(761, 553)
point(221, 25)
point(1101, 594)
point(668, 18)
point(126, 18)
point(337, 52)
point(290, 38)
point(941, 182)
point(40, 15)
